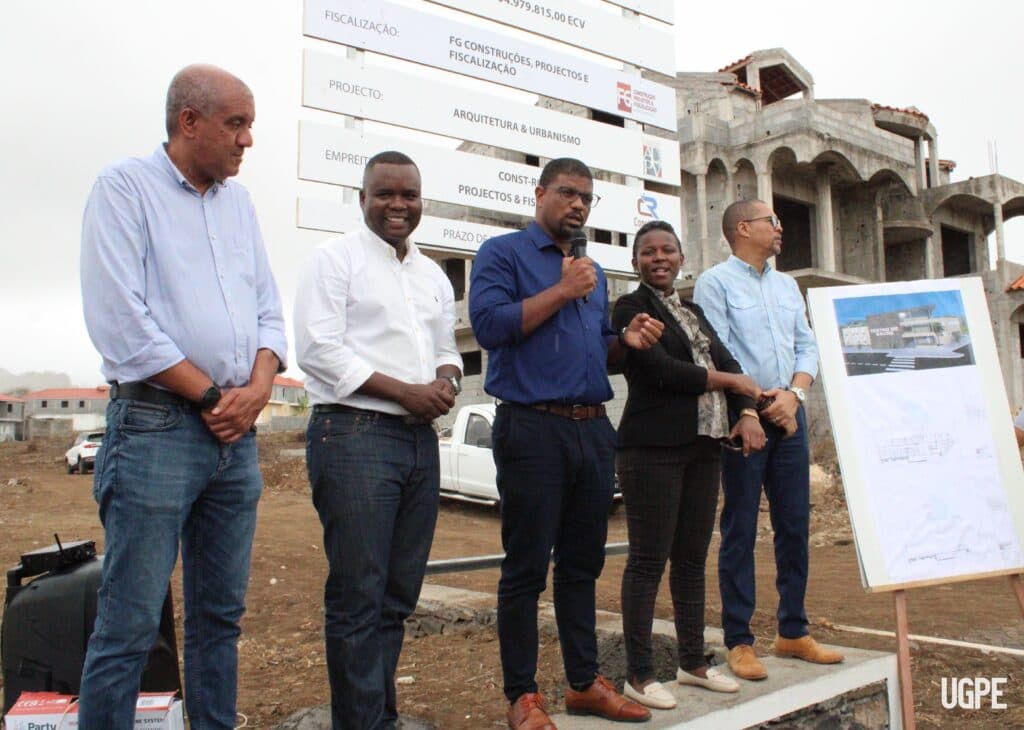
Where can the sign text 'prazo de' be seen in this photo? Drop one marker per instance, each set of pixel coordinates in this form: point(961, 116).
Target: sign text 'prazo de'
point(444, 234)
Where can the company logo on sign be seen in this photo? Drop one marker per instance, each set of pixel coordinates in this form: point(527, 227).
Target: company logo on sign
point(625, 97)
point(652, 161)
point(647, 206)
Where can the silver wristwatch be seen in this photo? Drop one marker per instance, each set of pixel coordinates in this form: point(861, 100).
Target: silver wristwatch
point(800, 394)
point(456, 383)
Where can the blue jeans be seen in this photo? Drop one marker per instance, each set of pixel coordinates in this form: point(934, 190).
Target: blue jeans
point(162, 477)
point(556, 479)
point(783, 467)
point(376, 486)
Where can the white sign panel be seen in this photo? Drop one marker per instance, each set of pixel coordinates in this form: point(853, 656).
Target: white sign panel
point(658, 9)
point(447, 235)
point(350, 87)
point(599, 29)
point(335, 155)
point(404, 32)
point(922, 427)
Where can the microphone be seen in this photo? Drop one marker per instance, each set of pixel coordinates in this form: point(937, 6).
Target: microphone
point(578, 247)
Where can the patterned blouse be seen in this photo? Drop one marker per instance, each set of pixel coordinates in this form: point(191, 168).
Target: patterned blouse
point(712, 415)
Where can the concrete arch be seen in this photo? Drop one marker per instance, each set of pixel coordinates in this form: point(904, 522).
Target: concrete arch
point(717, 167)
point(782, 156)
point(853, 164)
point(843, 170)
point(718, 194)
point(1017, 315)
point(1013, 207)
point(967, 201)
point(887, 177)
point(744, 180)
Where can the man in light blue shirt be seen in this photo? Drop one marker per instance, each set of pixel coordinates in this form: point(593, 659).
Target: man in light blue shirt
point(759, 314)
point(180, 302)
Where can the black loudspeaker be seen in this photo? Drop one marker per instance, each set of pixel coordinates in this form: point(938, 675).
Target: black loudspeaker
point(47, 623)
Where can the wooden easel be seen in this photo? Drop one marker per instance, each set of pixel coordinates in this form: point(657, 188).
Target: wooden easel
point(899, 600)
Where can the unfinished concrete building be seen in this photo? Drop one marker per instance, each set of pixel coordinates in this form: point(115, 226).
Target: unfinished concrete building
point(860, 188)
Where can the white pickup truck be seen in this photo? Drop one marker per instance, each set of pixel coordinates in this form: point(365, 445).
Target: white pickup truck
point(467, 465)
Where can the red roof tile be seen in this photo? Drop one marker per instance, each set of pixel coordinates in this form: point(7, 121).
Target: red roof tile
point(947, 165)
point(743, 87)
point(1017, 284)
point(11, 398)
point(734, 65)
point(288, 382)
point(100, 392)
point(911, 112)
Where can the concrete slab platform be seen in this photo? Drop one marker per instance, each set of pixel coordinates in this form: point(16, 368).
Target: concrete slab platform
point(792, 685)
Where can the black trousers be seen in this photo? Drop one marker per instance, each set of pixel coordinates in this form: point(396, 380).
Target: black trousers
point(556, 479)
point(670, 496)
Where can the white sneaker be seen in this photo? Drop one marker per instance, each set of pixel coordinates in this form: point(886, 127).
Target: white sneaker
point(715, 681)
point(653, 695)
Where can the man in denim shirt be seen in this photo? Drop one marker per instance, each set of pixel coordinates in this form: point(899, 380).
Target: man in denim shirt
point(180, 303)
point(759, 314)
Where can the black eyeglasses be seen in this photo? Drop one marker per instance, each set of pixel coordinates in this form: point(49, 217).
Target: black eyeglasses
point(570, 194)
point(773, 218)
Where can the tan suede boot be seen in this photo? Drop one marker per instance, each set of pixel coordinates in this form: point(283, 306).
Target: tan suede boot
point(744, 663)
point(806, 648)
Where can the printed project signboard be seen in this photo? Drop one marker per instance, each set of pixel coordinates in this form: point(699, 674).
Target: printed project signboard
point(337, 84)
point(432, 40)
point(923, 431)
point(601, 29)
point(446, 235)
point(337, 156)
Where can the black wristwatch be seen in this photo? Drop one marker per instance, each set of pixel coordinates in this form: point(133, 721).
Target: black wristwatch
point(210, 398)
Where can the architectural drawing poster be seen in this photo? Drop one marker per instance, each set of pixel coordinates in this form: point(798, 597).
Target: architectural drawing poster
point(923, 430)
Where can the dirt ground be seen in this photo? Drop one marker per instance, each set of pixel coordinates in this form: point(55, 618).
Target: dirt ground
point(455, 680)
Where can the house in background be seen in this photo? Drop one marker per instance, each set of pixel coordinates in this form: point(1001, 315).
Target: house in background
point(12, 417)
point(288, 407)
point(289, 390)
point(63, 412)
point(57, 412)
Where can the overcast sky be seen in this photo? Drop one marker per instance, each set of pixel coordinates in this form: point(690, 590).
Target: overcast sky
point(83, 85)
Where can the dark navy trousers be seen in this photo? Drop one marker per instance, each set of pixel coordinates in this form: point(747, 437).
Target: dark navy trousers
point(782, 467)
point(556, 480)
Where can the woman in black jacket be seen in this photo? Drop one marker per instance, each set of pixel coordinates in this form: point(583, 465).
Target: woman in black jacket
point(673, 428)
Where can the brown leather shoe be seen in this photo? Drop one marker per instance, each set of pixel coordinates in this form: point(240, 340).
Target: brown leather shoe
point(806, 648)
point(744, 663)
point(602, 700)
point(527, 713)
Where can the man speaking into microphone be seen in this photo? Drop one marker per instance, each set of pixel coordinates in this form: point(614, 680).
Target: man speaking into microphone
point(542, 315)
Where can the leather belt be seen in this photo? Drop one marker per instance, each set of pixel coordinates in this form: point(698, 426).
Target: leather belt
point(148, 394)
point(577, 412)
point(408, 420)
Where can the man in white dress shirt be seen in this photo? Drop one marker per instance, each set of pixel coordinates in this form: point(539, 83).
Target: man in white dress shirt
point(375, 333)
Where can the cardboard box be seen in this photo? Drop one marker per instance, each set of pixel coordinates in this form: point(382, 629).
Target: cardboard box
point(52, 711)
